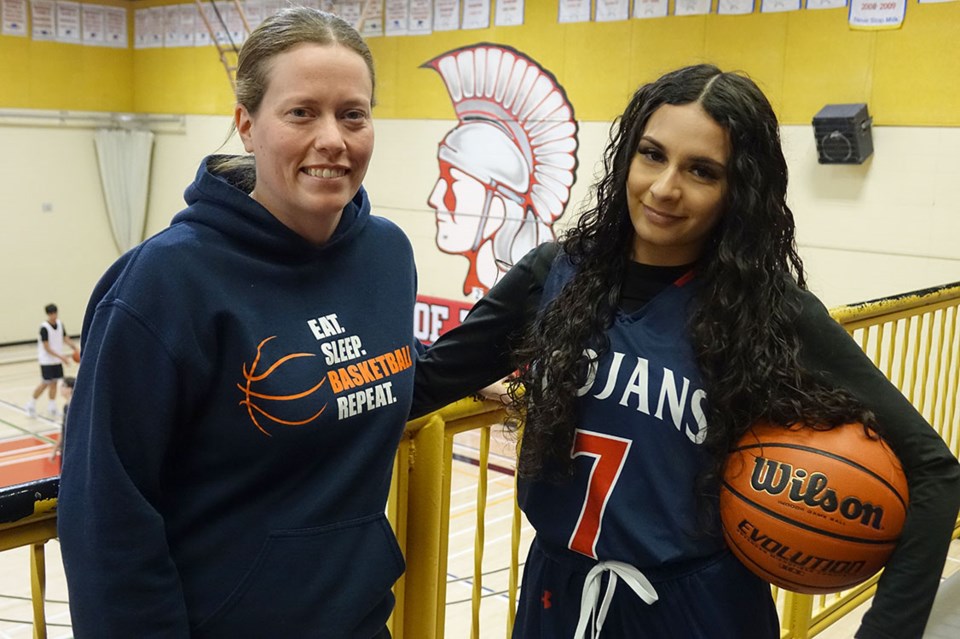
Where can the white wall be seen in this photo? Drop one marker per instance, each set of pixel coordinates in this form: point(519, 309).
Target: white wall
point(54, 255)
point(176, 158)
point(888, 226)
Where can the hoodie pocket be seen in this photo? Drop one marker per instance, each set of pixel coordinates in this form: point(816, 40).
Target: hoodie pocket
point(324, 582)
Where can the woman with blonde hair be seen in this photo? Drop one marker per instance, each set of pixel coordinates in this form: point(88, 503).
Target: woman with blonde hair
point(226, 471)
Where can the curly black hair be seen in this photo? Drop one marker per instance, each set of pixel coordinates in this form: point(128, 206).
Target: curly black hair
point(742, 325)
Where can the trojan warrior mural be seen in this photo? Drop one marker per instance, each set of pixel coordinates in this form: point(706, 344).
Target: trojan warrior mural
point(507, 168)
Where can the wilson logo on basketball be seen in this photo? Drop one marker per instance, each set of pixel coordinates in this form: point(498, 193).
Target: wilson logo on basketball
point(774, 477)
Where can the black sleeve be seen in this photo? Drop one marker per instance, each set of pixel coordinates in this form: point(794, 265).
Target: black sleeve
point(43, 334)
point(911, 577)
point(478, 352)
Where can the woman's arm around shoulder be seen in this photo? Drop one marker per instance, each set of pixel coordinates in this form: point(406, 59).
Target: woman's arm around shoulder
point(911, 577)
point(478, 352)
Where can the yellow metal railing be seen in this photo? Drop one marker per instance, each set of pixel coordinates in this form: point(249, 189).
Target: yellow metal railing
point(33, 530)
point(419, 508)
point(914, 339)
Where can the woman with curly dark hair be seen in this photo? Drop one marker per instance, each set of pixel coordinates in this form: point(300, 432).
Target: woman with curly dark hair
point(677, 301)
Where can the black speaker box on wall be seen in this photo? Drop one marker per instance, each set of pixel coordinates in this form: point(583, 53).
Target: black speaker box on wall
point(844, 134)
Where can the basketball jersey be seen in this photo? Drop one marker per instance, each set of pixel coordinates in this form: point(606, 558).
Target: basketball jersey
point(54, 339)
point(637, 452)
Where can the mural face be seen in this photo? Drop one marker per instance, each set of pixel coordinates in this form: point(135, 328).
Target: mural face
point(506, 169)
point(458, 229)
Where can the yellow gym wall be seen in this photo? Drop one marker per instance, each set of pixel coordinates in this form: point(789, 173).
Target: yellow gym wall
point(178, 79)
point(36, 74)
point(803, 59)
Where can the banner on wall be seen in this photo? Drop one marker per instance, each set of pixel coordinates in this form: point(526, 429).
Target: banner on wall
point(611, 10)
point(434, 316)
point(509, 13)
point(649, 9)
point(396, 14)
point(476, 14)
point(877, 14)
point(779, 6)
point(349, 11)
point(14, 17)
point(420, 18)
point(446, 15)
point(115, 27)
point(44, 19)
point(691, 7)
point(825, 4)
point(373, 24)
point(68, 22)
point(734, 7)
point(93, 25)
point(573, 11)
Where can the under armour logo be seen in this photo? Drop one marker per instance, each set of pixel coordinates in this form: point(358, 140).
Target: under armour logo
point(545, 599)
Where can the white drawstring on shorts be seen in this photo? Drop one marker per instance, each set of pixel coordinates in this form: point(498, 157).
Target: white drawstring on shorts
point(591, 593)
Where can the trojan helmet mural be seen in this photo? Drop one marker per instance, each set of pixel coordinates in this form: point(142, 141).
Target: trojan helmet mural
point(507, 168)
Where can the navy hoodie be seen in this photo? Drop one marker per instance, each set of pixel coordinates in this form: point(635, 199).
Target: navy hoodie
point(234, 424)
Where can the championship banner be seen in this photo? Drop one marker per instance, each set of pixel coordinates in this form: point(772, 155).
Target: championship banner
point(877, 14)
point(434, 316)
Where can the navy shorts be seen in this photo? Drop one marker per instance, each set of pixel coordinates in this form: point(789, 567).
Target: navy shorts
point(713, 598)
point(51, 372)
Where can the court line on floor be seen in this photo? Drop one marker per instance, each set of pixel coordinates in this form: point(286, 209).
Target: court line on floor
point(473, 487)
point(29, 433)
point(468, 582)
point(476, 462)
point(487, 542)
point(20, 460)
point(492, 499)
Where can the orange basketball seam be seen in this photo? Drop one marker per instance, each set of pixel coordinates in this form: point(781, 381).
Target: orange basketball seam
point(283, 398)
point(250, 377)
point(282, 421)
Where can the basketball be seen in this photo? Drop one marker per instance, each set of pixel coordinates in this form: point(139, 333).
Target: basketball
point(812, 511)
point(76, 356)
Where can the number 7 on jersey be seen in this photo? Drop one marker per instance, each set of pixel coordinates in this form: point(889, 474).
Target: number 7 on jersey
point(609, 453)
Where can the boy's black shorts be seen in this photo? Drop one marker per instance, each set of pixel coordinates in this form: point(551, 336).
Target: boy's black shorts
point(51, 372)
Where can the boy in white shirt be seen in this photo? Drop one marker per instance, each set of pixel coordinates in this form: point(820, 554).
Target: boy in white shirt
point(50, 343)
